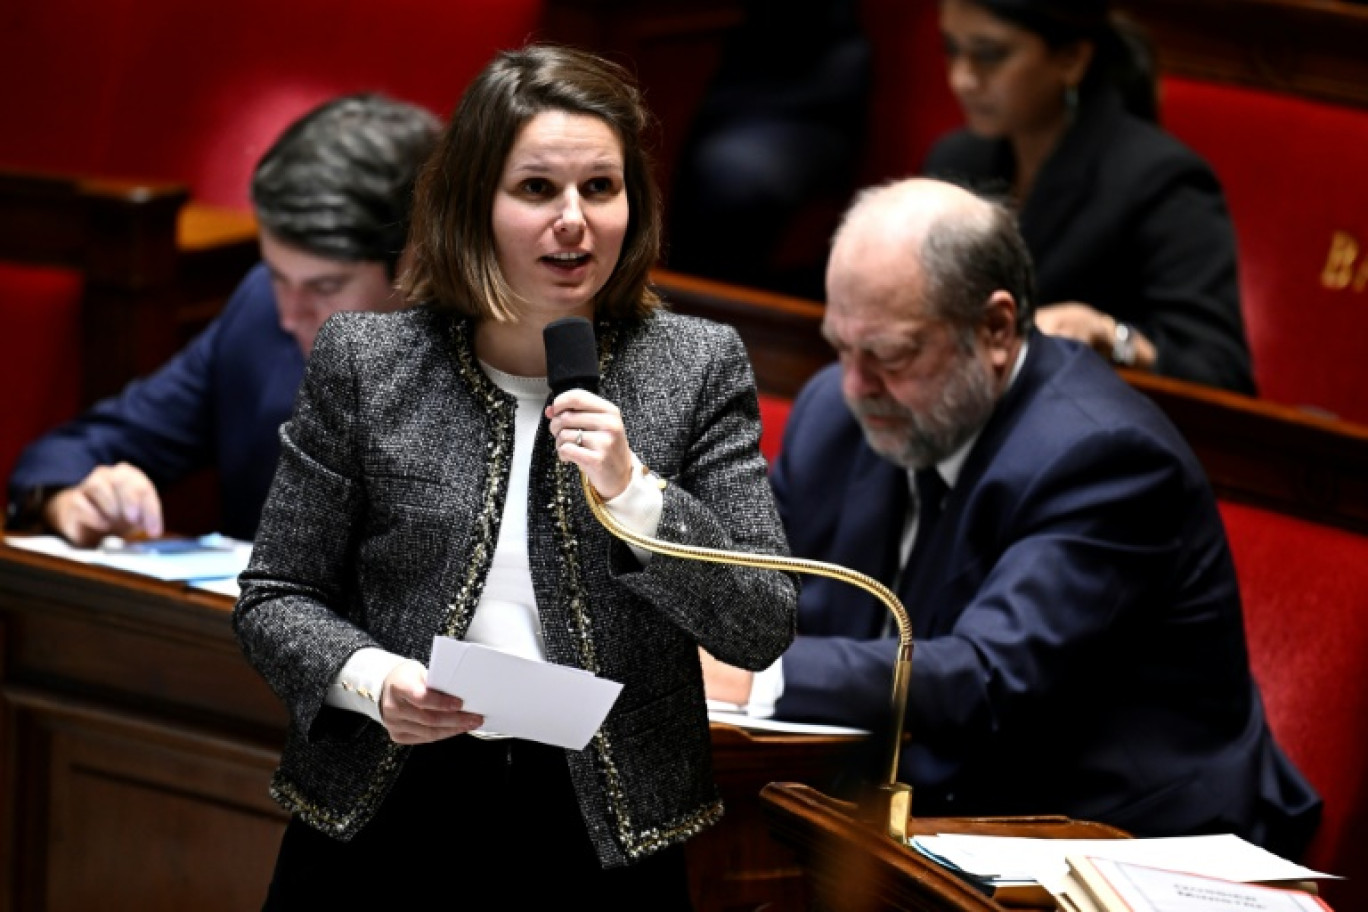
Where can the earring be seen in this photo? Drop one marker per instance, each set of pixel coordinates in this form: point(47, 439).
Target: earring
point(1071, 100)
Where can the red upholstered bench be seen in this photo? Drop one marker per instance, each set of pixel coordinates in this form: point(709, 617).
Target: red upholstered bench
point(40, 312)
point(194, 92)
point(1305, 591)
point(188, 94)
point(78, 260)
point(911, 104)
point(1295, 177)
point(774, 411)
point(1293, 491)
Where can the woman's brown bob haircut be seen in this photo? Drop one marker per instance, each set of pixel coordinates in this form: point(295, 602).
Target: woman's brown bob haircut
point(454, 261)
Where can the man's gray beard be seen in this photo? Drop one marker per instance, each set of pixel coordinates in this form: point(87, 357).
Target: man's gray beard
point(965, 406)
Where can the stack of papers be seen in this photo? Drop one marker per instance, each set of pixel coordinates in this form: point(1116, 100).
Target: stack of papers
point(1000, 862)
point(1107, 885)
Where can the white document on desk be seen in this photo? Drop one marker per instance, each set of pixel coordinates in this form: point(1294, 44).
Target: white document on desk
point(1224, 856)
point(217, 558)
point(731, 714)
point(522, 698)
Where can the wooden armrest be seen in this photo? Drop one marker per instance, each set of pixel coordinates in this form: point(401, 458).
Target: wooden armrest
point(783, 335)
point(1270, 455)
point(203, 227)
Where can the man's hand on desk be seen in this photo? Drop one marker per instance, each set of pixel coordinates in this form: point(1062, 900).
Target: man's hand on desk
point(725, 683)
point(111, 500)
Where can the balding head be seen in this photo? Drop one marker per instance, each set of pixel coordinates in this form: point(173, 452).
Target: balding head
point(897, 217)
point(951, 246)
point(923, 285)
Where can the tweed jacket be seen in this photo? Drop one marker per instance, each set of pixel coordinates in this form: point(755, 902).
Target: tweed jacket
point(381, 526)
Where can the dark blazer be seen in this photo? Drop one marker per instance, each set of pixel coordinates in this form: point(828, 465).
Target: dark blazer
point(219, 402)
point(1079, 641)
point(382, 523)
point(1126, 219)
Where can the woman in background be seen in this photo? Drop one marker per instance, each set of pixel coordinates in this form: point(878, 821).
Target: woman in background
point(1133, 244)
point(428, 484)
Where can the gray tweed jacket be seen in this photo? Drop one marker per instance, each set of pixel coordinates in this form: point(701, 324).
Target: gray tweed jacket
point(381, 525)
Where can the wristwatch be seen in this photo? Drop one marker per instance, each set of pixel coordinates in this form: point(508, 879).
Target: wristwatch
point(1123, 345)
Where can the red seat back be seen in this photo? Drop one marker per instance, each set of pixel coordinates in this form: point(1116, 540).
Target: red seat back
point(195, 92)
point(1305, 591)
point(41, 373)
point(774, 412)
point(1295, 177)
point(911, 104)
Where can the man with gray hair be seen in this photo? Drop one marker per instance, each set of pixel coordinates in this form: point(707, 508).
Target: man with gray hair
point(1079, 643)
point(331, 198)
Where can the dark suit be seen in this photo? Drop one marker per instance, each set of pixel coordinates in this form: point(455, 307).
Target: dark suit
point(1126, 219)
point(1079, 642)
point(219, 402)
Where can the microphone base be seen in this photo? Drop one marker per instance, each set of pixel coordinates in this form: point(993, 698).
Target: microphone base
point(889, 807)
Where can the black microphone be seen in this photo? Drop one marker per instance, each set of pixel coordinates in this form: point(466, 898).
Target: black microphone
point(571, 355)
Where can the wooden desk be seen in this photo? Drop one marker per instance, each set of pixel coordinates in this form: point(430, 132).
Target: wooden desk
point(853, 867)
point(136, 745)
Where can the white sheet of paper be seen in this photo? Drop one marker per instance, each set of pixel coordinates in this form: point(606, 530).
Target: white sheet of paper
point(1146, 889)
point(201, 565)
point(538, 701)
point(734, 717)
point(1025, 858)
point(228, 586)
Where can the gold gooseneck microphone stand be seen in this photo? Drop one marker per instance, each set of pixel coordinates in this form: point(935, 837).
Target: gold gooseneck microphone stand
point(893, 799)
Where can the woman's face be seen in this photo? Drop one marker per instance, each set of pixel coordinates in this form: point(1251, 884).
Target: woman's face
point(1007, 79)
point(560, 213)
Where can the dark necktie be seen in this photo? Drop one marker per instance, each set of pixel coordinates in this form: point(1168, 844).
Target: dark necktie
point(931, 490)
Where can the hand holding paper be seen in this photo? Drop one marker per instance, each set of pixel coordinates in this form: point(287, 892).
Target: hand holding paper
point(521, 698)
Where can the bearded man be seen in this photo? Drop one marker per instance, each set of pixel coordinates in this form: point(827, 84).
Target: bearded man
point(1079, 647)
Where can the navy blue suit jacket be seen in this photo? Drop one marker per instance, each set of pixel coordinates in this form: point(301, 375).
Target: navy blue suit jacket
point(1079, 641)
point(219, 402)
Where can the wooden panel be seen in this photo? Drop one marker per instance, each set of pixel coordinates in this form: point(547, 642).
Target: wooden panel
point(1270, 455)
point(853, 867)
point(735, 865)
point(143, 816)
point(1313, 48)
point(136, 746)
point(121, 236)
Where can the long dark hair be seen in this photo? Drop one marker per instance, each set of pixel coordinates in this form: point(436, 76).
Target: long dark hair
point(1123, 55)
